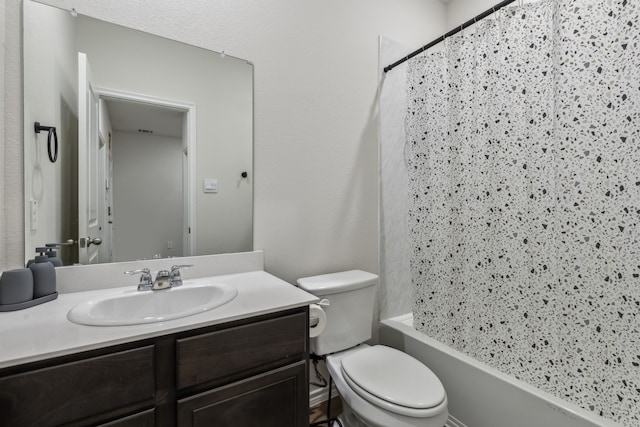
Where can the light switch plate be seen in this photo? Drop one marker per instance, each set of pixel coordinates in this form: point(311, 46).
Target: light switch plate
point(34, 214)
point(210, 185)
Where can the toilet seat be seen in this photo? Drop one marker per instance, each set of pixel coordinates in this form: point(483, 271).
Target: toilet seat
point(393, 380)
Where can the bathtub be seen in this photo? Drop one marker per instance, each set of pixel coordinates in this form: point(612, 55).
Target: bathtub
point(480, 396)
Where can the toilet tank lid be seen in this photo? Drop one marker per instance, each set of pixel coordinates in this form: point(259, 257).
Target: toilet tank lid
point(327, 284)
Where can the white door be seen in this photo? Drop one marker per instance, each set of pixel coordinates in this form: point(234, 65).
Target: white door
point(186, 230)
point(89, 233)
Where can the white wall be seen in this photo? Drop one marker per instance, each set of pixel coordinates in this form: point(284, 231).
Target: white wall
point(316, 148)
point(53, 70)
point(3, 239)
point(147, 215)
point(460, 11)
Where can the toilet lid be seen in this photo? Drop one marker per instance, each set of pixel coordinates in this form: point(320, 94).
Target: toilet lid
point(394, 377)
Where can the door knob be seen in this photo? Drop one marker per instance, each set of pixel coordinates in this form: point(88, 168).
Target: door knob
point(85, 242)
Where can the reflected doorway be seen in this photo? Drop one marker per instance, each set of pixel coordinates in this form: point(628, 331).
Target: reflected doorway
point(147, 177)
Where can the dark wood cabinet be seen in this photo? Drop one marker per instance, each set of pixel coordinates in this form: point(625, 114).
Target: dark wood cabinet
point(274, 399)
point(251, 372)
point(143, 419)
point(112, 384)
point(241, 350)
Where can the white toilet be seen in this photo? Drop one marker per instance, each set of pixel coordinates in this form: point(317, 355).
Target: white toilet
point(380, 386)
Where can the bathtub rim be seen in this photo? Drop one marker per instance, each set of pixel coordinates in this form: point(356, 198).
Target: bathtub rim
point(404, 323)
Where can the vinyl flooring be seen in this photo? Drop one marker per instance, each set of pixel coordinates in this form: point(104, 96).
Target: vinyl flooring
point(319, 413)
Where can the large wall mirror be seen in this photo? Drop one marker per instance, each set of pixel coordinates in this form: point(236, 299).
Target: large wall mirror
point(154, 142)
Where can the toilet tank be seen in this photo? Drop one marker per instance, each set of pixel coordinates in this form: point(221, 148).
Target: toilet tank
point(351, 296)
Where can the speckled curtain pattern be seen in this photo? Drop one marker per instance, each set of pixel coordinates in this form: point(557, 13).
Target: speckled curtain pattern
point(523, 152)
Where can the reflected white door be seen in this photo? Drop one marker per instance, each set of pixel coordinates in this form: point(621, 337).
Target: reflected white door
point(89, 233)
point(186, 230)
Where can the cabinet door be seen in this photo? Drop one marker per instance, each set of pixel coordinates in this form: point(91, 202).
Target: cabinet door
point(278, 398)
point(79, 391)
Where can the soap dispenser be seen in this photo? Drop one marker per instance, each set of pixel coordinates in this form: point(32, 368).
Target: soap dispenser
point(44, 274)
point(53, 255)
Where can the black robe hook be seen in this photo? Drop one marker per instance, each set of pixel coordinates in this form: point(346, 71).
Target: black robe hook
point(52, 131)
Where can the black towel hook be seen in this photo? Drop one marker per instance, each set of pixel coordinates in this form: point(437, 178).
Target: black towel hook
point(52, 131)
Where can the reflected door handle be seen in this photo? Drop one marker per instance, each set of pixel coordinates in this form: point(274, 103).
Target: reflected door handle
point(96, 241)
point(85, 242)
point(69, 242)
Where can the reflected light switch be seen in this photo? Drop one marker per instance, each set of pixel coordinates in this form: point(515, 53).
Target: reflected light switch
point(210, 185)
point(33, 204)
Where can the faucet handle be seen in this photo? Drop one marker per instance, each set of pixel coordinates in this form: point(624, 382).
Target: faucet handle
point(146, 282)
point(174, 276)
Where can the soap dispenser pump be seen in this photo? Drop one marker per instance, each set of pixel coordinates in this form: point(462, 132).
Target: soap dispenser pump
point(44, 274)
point(53, 255)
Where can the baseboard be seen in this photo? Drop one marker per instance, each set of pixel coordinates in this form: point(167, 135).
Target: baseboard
point(320, 395)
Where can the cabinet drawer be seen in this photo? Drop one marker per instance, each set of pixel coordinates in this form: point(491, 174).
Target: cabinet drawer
point(72, 391)
point(277, 398)
point(225, 353)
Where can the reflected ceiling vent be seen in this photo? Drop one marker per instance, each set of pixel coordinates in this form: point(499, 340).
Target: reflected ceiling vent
point(145, 131)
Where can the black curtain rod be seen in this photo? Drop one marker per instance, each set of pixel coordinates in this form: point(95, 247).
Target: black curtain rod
point(450, 33)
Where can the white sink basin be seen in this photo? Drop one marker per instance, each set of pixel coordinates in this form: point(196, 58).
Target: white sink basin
point(133, 307)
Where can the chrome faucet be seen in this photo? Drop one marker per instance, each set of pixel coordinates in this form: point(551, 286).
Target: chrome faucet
point(165, 279)
point(146, 283)
point(161, 281)
point(175, 279)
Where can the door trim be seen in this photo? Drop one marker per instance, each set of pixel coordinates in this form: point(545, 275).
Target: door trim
point(190, 112)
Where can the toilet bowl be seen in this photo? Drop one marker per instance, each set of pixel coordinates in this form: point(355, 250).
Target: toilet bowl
point(383, 387)
point(380, 386)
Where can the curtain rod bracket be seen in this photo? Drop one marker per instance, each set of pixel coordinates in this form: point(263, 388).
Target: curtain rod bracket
point(470, 22)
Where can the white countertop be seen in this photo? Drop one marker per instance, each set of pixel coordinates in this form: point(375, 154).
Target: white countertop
point(43, 331)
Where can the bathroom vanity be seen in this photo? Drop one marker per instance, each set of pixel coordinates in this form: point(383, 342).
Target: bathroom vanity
point(242, 364)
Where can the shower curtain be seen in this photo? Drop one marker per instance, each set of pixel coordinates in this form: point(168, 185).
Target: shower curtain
point(523, 153)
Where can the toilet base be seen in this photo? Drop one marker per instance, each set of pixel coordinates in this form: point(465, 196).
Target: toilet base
point(357, 412)
point(349, 419)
